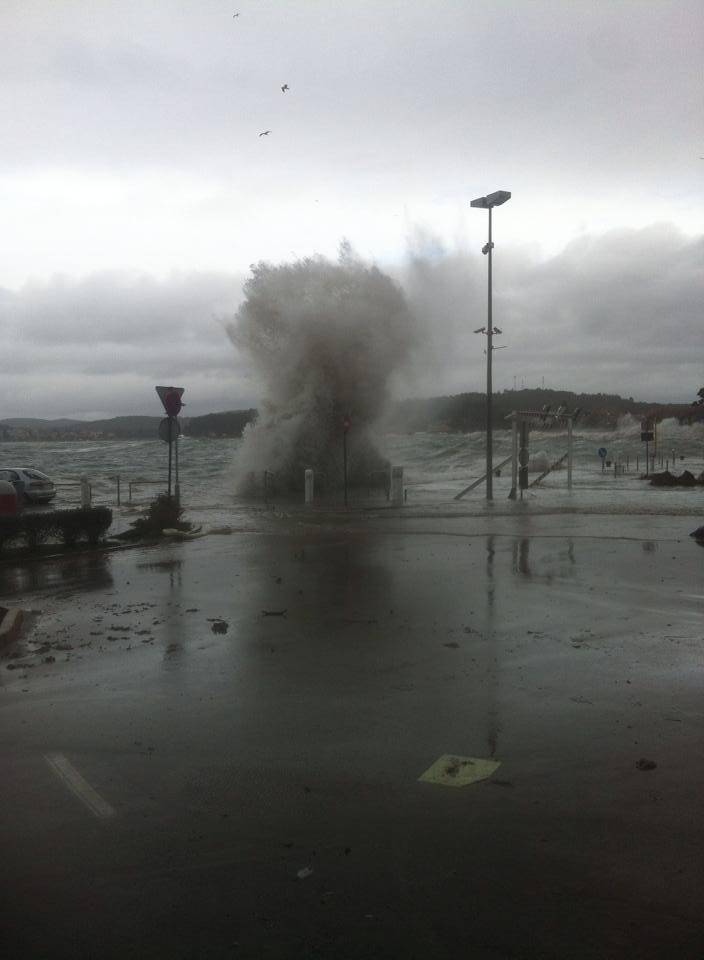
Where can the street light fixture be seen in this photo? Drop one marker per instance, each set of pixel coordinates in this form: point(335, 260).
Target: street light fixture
point(488, 203)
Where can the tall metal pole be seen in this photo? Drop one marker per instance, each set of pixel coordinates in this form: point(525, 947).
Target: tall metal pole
point(170, 451)
point(177, 487)
point(489, 351)
point(344, 462)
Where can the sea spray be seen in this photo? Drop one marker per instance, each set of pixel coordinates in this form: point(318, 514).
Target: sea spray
point(324, 340)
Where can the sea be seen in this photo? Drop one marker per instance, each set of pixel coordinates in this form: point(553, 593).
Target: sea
point(437, 467)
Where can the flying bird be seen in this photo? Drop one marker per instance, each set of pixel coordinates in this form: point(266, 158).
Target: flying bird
point(235, 15)
point(265, 133)
point(285, 88)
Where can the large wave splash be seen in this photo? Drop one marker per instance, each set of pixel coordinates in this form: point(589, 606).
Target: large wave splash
point(324, 339)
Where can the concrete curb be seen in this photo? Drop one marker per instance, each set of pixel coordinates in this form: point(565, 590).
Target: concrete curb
point(11, 626)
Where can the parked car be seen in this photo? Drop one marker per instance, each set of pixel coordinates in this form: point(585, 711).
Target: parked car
point(31, 485)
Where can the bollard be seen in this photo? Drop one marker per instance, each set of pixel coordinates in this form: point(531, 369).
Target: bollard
point(309, 486)
point(397, 486)
point(85, 492)
point(118, 489)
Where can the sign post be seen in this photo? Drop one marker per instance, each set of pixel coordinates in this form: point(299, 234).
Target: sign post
point(171, 400)
point(346, 424)
point(647, 434)
point(602, 451)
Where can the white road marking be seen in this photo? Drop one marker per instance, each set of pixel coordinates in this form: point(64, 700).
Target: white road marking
point(79, 786)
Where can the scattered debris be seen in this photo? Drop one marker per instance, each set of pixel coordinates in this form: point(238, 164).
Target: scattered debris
point(453, 771)
point(452, 645)
point(644, 764)
point(274, 613)
point(304, 872)
point(580, 699)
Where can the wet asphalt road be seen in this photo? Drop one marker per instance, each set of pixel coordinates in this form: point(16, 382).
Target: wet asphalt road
point(226, 762)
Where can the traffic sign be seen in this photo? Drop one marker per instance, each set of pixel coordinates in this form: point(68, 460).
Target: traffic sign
point(647, 436)
point(602, 452)
point(164, 429)
point(171, 399)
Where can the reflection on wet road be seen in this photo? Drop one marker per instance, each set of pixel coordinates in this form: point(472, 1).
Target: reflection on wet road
point(254, 706)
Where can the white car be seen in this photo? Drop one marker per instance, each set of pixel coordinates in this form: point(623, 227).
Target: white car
point(30, 484)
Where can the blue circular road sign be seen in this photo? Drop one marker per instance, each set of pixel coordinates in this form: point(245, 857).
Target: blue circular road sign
point(602, 452)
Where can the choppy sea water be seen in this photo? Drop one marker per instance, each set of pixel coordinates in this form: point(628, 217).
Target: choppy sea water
point(437, 466)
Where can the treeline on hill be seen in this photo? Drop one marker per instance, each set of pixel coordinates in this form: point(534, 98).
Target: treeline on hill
point(456, 414)
point(467, 411)
point(231, 423)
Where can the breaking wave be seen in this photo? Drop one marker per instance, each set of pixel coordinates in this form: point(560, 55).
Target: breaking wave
point(324, 340)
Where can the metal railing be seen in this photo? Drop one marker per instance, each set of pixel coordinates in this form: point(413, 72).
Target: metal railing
point(97, 488)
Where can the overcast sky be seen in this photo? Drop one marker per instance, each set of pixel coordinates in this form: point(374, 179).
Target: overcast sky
point(135, 189)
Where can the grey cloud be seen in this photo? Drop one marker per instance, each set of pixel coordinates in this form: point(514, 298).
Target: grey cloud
point(101, 343)
point(120, 309)
point(617, 313)
point(399, 88)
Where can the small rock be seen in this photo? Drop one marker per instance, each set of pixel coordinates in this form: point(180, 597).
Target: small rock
point(220, 626)
point(644, 764)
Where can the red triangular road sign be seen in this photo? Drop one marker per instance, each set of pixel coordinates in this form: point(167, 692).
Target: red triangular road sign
point(162, 391)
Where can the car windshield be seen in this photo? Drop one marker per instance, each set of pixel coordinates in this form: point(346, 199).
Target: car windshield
point(35, 475)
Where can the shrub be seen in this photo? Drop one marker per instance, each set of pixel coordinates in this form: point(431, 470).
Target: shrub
point(89, 523)
point(69, 525)
point(163, 512)
point(10, 530)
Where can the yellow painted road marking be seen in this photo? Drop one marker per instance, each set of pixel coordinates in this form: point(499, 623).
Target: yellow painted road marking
point(452, 771)
point(79, 786)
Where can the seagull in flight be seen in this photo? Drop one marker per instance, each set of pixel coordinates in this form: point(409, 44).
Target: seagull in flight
point(235, 15)
point(285, 88)
point(265, 133)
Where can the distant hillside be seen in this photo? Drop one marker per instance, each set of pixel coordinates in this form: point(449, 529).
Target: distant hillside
point(231, 423)
point(455, 414)
point(467, 411)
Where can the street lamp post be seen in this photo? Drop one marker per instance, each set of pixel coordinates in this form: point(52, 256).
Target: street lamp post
point(488, 203)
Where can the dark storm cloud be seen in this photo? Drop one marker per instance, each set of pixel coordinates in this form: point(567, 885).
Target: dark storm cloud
point(100, 344)
point(616, 313)
point(619, 312)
